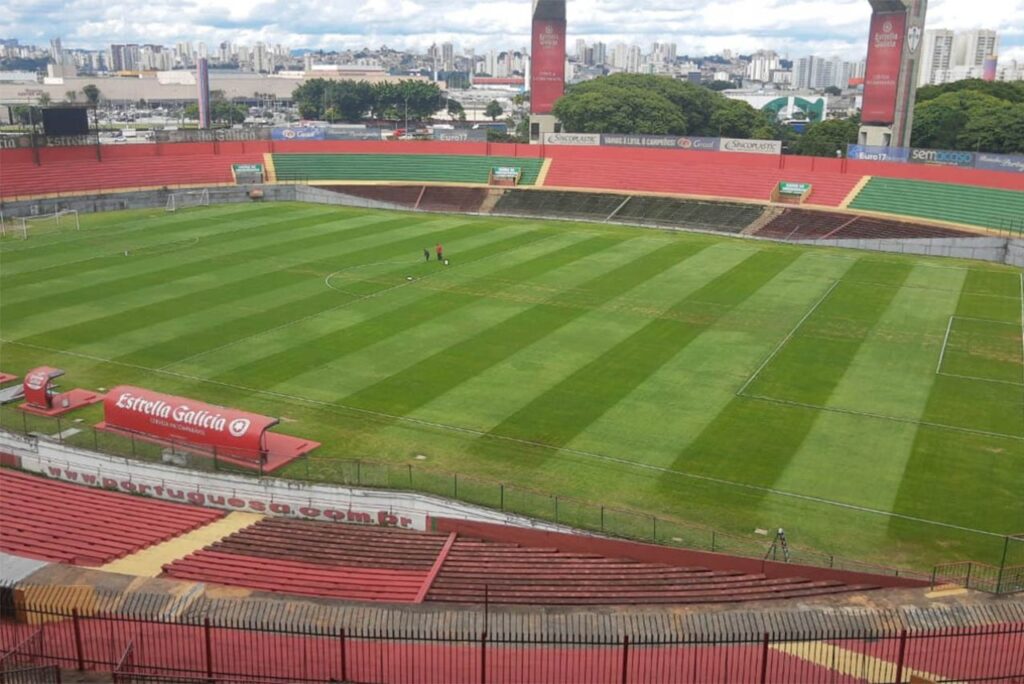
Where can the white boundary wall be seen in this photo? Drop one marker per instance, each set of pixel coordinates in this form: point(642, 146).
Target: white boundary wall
point(269, 496)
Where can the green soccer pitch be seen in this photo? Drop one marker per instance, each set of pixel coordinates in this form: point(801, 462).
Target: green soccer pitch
point(871, 405)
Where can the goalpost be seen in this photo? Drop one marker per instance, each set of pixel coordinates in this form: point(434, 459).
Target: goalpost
point(184, 200)
point(56, 221)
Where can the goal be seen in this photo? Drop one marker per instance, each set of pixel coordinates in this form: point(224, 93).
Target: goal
point(184, 200)
point(43, 223)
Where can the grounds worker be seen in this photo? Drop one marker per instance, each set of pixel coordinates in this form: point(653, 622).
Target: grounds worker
point(440, 252)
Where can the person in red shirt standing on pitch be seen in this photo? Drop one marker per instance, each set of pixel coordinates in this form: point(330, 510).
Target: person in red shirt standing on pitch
point(440, 252)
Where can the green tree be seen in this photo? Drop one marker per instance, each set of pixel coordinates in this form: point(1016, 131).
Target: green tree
point(824, 139)
point(736, 119)
point(456, 110)
point(834, 91)
point(493, 110)
point(71, 96)
point(620, 110)
point(92, 93)
point(942, 122)
point(44, 99)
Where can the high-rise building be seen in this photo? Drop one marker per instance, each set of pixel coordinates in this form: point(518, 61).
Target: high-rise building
point(581, 49)
point(761, 66)
point(936, 54)
point(600, 54)
point(56, 51)
point(971, 48)
point(448, 56)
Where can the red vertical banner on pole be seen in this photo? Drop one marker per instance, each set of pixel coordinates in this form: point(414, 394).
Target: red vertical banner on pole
point(882, 78)
point(547, 65)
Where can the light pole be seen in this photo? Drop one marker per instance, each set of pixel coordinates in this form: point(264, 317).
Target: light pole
point(407, 115)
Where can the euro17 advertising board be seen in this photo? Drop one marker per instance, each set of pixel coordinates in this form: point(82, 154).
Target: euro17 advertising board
point(882, 78)
point(547, 68)
point(176, 419)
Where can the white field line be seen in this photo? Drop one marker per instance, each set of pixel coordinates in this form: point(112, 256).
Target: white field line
point(1022, 325)
point(945, 341)
point(786, 339)
point(977, 379)
point(341, 408)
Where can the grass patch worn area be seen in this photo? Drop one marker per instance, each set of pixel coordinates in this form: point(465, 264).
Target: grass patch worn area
point(642, 382)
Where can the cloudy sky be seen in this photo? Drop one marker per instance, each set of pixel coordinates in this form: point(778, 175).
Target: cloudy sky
point(793, 27)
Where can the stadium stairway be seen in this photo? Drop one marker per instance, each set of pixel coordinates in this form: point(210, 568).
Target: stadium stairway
point(423, 168)
point(970, 205)
point(69, 523)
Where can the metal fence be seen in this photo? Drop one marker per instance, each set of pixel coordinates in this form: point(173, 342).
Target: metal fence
point(139, 649)
point(21, 661)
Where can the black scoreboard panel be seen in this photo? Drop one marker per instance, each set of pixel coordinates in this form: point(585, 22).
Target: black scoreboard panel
point(65, 121)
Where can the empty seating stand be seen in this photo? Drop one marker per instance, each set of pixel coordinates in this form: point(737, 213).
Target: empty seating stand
point(457, 200)
point(318, 559)
point(80, 175)
point(667, 211)
point(423, 168)
point(57, 521)
point(801, 224)
point(511, 574)
point(559, 203)
point(970, 205)
point(380, 564)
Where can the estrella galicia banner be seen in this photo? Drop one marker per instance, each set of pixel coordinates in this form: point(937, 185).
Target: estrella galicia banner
point(885, 54)
point(297, 133)
point(1013, 163)
point(878, 153)
point(176, 419)
point(942, 157)
point(547, 66)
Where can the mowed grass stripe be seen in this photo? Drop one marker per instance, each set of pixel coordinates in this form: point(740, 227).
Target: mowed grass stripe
point(317, 352)
point(567, 409)
point(225, 332)
point(976, 404)
point(83, 251)
point(753, 441)
point(404, 392)
point(95, 329)
point(271, 241)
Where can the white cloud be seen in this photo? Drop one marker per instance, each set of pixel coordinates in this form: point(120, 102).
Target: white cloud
point(794, 27)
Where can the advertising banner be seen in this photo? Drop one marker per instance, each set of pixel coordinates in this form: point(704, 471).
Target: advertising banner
point(579, 139)
point(345, 133)
point(547, 68)
point(1013, 163)
point(878, 153)
point(460, 134)
point(942, 157)
point(881, 80)
point(786, 188)
point(663, 141)
point(750, 146)
point(212, 135)
point(297, 133)
point(176, 419)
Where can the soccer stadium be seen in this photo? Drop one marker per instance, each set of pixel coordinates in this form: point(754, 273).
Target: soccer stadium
point(284, 408)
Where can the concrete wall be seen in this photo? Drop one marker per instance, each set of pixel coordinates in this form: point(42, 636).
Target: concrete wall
point(306, 193)
point(145, 199)
point(994, 249)
point(270, 496)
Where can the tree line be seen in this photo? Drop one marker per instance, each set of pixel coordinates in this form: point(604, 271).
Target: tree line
point(353, 101)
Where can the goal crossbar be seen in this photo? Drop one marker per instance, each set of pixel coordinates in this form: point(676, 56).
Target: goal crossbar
point(20, 226)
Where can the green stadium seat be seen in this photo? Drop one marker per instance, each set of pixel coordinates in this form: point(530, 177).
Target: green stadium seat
point(422, 168)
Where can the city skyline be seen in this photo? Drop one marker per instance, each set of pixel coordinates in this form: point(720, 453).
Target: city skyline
point(699, 28)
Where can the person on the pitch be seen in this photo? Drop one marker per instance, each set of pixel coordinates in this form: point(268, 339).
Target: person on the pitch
point(440, 252)
point(426, 254)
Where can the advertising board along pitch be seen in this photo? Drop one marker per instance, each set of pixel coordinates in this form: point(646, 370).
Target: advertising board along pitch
point(237, 436)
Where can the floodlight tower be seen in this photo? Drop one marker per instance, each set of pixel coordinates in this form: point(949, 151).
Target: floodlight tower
point(890, 82)
point(547, 65)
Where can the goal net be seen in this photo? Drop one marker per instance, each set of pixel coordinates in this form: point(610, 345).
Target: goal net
point(66, 219)
point(184, 200)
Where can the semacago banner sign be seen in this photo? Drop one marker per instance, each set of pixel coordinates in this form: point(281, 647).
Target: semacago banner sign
point(176, 419)
point(881, 80)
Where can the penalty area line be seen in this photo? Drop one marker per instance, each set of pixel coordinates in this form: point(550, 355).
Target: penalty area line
point(786, 339)
point(594, 456)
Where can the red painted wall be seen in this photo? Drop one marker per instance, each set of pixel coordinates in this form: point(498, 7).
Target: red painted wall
point(650, 553)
